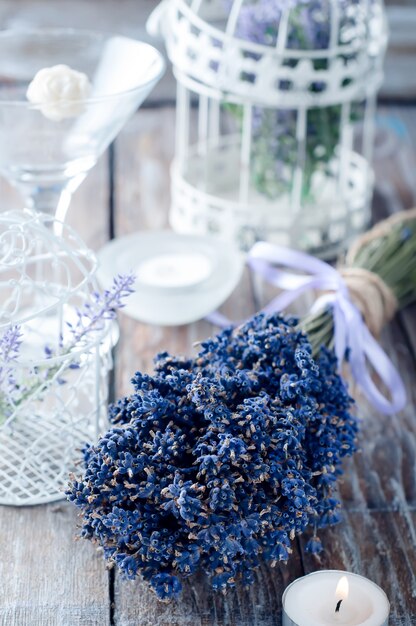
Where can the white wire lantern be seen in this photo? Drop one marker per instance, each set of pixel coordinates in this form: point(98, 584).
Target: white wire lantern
point(279, 88)
point(53, 385)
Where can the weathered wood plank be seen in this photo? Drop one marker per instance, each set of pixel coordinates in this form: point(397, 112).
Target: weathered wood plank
point(56, 581)
point(143, 153)
point(46, 578)
point(382, 475)
point(380, 546)
point(199, 606)
point(144, 150)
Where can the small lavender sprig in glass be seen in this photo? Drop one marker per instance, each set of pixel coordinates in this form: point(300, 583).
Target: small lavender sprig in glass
point(91, 318)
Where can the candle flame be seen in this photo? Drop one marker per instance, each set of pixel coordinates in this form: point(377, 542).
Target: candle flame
point(342, 589)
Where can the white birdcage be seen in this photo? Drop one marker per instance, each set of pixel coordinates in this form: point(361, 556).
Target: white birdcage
point(284, 98)
point(53, 391)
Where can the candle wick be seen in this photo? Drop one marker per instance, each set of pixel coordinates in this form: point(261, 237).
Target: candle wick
point(338, 606)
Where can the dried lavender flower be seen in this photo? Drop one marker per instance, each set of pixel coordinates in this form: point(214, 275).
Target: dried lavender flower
point(91, 318)
point(216, 463)
point(9, 351)
point(93, 315)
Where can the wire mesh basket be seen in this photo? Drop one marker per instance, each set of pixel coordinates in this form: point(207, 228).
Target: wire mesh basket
point(284, 99)
point(53, 381)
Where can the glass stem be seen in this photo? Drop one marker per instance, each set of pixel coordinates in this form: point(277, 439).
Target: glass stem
point(52, 200)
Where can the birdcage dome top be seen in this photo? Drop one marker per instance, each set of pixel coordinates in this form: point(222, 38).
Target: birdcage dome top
point(44, 266)
point(272, 50)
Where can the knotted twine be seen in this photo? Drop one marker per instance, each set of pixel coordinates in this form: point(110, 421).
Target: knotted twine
point(372, 297)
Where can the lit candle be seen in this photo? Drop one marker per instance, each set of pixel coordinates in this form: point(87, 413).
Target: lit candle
point(174, 271)
point(179, 278)
point(334, 598)
point(341, 593)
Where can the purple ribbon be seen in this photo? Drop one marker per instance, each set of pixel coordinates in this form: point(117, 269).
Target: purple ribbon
point(350, 330)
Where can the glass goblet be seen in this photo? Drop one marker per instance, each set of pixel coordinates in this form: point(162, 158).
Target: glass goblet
point(47, 158)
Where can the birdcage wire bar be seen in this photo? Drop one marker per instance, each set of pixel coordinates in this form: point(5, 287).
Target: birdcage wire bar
point(217, 70)
point(57, 399)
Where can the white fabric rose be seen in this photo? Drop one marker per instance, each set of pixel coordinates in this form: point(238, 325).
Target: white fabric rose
point(59, 91)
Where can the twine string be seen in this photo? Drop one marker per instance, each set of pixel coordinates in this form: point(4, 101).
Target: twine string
point(372, 297)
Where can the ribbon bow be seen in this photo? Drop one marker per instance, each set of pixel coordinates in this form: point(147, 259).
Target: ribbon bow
point(350, 330)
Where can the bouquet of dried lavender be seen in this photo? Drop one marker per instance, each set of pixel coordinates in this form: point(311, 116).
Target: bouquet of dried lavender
point(216, 463)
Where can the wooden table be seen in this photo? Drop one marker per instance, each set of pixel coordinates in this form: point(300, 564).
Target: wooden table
point(48, 578)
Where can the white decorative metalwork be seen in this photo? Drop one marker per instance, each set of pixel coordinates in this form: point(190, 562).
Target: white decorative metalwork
point(320, 200)
point(58, 396)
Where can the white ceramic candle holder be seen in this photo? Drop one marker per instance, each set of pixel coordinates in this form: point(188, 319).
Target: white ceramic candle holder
point(179, 278)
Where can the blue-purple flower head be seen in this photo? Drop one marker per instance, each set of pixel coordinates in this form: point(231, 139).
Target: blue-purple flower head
point(102, 307)
point(217, 463)
point(10, 342)
point(91, 319)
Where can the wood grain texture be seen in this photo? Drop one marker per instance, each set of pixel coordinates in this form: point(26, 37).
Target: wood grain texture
point(46, 578)
point(258, 606)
